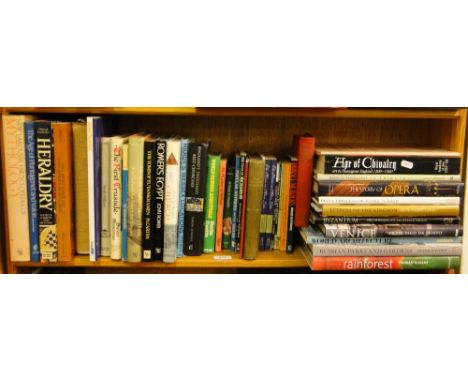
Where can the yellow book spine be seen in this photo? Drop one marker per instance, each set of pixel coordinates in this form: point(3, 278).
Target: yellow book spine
point(389, 210)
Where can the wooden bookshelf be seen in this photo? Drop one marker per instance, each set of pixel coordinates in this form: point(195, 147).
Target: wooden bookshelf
point(266, 130)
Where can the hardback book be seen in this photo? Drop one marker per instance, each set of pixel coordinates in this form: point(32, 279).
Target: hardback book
point(255, 183)
point(195, 198)
point(80, 177)
point(105, 196)
point(212, 184)
point(389, 188)
point(148, 243)
point(16, 191)
point(160, 179)
point(235, 200)
point(271, 207)
point(304, 148)
point(241, 200)
point(440, 200)
point(387, 210)
point(33, 200)
point(94, 133)
point(63, 160)
point(182, 186)
point(116, 195)
point(274, 235)
point(47, 191)
point(291, 205)
point(365, 250)
point(171, 199)
point(390, 230)
point(229, 201)
point(220, 206)
point(266, 218)
point(124, 218)
point(244, 208)
point(136, 144)
point(284, 204)
point(392, 161)
point(387, 177)
point(313, 235)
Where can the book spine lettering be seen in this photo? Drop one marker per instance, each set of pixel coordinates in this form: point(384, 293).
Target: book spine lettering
point(116, 198)
point(235, 202)
point(376, 220)
point(220, 207)
point(388, 177)
point(212, 184)
point(392, 230)
point(244, 209)
point(182, 186)
point(105, 196)
point(228, 203)
point(276, 213)
point(441, 200)
point(389, 210)
point(271, 207)
point(161, 150)
point(263, 217)
point(148, 201)
point(240, 202)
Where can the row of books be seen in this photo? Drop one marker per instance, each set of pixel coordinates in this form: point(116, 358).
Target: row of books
point(72, 188)
point(382, 209)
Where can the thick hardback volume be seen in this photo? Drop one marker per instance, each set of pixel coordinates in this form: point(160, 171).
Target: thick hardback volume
point(389, 210)
point(442, 200)
point(387, 161)
point(46, 184)
point(182, 186)
point(94, 133)
point(228, 201)
point(63, 158)
point(80, 173)
point(304, 148)
point(116, 144)
point(220, 207)
point(284, 204)
point(136, 144)
point(244, 209)
point(148, 216)
point(105, 196)
point(161, 149)
point(271, 207)
point(387, 177)
point(235, 201)
point(391, 230)
point(387, 250)
point(276, 212)
point(195, 198)
point(171, 200)
point(264, 233)
point(14, 159)
point(211, 202)
point(124, 218)
point(241, 200)
point(255, 189)
point(292, 205)
point(31, 170)
point(311, 235)
point(370, 188)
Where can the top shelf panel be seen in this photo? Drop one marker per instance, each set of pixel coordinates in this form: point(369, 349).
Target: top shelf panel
point(394, 113)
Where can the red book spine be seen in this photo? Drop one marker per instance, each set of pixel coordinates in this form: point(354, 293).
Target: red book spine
point(244, 208)
point(304, 147)
point(219, 217)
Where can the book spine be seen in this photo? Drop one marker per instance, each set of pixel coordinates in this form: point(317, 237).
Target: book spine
point(235, 202)
point(135, 197)
point(240, 202)
point(269, 241)
point(212, 184)
point(385, 263)
point(124, 218)
point(388, 250)
point(30, 141)
point(46, 180)
point(376, 220)
point(389, 210)
point(382, 164)
point(147, 243)
point(116, 198)
point(161, 150)
point(182, 186)
point(291, 206)
point(63, 159)
point(370, 188)
point(276, 212)
point(195, 199)
point(228, 203)
point(244, 210)
point(105, 196)
point(14, 159)
point(441, 200)
point(171, 200)
point(263, 217)
point(304, 151)
point(284, 209)
point(388, 177)
point(220, 207)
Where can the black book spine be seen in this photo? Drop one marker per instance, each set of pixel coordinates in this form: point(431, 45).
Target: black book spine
point(160, 182)
point(276, 204)
point(195, 198)
point(241, 200)
point(292, 206)
point(382, 164)
point(45, 176)
point(148, 201)
point(315, 218)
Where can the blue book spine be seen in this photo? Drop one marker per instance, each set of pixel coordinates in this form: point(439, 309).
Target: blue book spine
point(263, 218)
point(271, 206)
point(182, 185)
point(97, 134)
point(124, 214)
point(235, 203)
point(30, 141)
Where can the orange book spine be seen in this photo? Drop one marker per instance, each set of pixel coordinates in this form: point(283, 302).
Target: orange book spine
point(286, 178)
point(244, 208)
point(219, 215)
point(63, 158)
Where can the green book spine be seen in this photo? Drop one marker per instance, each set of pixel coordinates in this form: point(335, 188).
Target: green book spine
point(228, 200)
point(212, 183)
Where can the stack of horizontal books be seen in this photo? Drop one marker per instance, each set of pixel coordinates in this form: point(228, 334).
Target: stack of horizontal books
point(385, 209)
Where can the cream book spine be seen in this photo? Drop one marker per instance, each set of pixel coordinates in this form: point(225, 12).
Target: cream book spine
point(105, 196)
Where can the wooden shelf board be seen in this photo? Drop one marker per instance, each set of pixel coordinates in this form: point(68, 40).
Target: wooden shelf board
point(273, 259)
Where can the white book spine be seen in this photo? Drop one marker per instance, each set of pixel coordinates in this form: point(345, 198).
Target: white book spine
point(105, 196)
point(171, 200)
point(90, 142)
point(115, 197)
point(387, 177)
point(445, 200)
